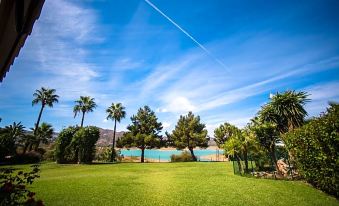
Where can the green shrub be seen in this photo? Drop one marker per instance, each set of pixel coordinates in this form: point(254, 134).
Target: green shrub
point(104, 154)
point(41, 151)
point(63, 153)
point(7, 145)
point(49, 154)
point(76, 144)
point(185, 156)
point(86, 138)
point(315, 149)
point(9, 136)
point(27, 158)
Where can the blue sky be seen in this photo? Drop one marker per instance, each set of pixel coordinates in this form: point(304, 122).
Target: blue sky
point(222, 63)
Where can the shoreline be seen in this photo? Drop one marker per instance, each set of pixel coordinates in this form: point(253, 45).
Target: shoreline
point(173, 148)
point(217, 157)
point(138, 159)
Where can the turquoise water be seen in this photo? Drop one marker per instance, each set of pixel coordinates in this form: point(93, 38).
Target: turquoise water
point(165, 155)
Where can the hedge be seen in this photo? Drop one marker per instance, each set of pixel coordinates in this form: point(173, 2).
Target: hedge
point(315, 149)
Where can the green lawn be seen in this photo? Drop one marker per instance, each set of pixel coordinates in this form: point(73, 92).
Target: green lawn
point(167, 184)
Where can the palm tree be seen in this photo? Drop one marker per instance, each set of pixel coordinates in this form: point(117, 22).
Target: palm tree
point(115, 112)
point(43, 134)
point(85, 104)
point(9, 136)
point(47, 97)
point(290, 107)
point(286, 110)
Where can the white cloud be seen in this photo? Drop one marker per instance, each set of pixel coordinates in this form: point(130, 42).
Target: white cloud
point(321, 95)
point(178, 104)
point(207, 95)
point(166, 125)
point(127, 63)
point(163, 110)
point(70, 21)
point(62, 110)
point(58, 46)
point(164, 73)
point(325, 91)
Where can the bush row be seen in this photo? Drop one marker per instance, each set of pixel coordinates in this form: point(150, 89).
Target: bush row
point(76, 145)
point(315, 149)
point(183, 157)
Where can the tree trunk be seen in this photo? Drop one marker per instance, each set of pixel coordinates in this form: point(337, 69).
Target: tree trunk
point(76, 156)
point(36, 146)
point(113, 144)
point(80, 156)
point(37, 123)
point(192, 154)
point(274, 159)
point(25, 148)
point(246, 161)
point(30, 147)
point(239, 163)
point(82, 119)
point(143, 154)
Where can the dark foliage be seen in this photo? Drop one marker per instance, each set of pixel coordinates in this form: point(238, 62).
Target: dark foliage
point(63, 153)
point(267, 136)
point(27, 158)
point(13, 187)
point(8, 138)
point(86, 138)
point(315, 148)
point(76, 144)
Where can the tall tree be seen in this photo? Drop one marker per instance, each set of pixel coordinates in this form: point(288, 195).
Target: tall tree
point(84, 105)
point(189, 133)
point(283, 113)
point(43, 134)
point(232, 147)
point(115, 112)
point(46, 97)
point(8, 138)
point(223, 133)
point(236, 142)
point(267, 135)
point(143, 132)
point(286, 110)
point(248, 144)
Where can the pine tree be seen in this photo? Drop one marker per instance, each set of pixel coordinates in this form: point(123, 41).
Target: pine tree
point(143, 132)
point(189, 133)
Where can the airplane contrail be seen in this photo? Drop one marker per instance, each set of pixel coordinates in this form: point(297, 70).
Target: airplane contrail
point(187, 34)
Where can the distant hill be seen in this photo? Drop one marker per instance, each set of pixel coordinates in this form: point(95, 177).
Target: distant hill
point(106, 137)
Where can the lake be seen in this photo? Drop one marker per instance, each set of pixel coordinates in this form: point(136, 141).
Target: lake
point(165, 155)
